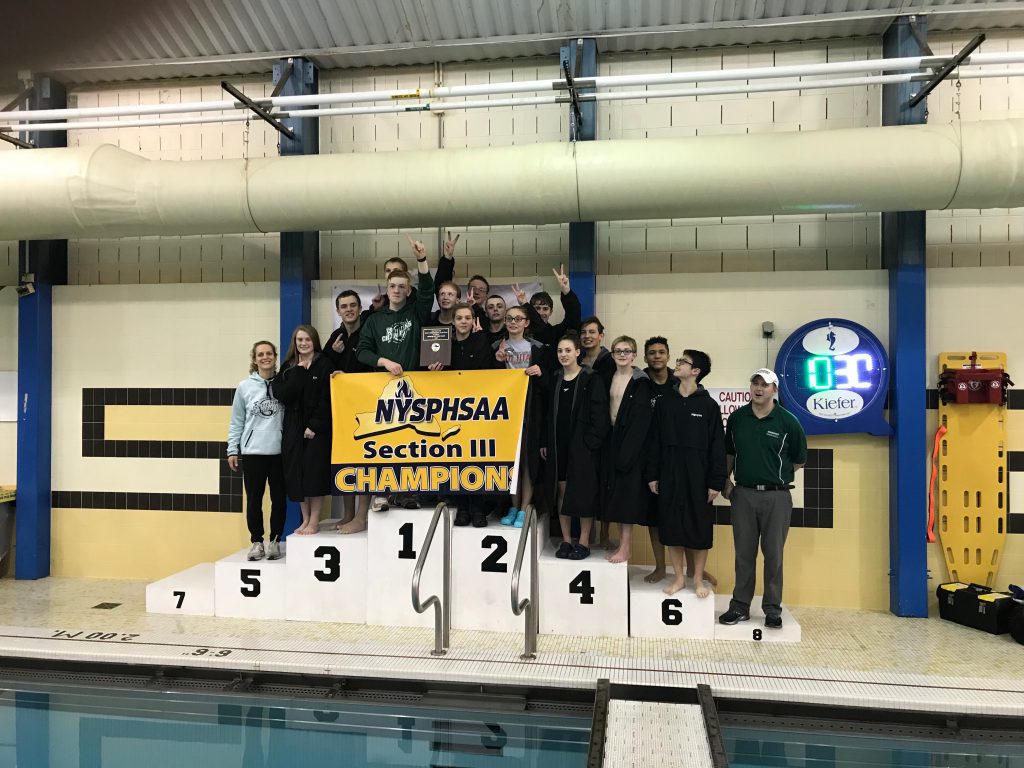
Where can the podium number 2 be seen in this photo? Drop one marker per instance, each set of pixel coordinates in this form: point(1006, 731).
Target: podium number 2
point(332, 563)
point(406, 552)
point(491, 563)
point(670, 613)
point(250, 582)
point(581, 586)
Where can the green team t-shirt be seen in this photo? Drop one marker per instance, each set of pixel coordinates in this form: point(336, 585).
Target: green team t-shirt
point(765, 450)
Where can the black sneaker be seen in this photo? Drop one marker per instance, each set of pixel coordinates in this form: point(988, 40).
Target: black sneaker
point(732, 616)
point(480, 520)
point(462, 517)
point(408, 502)
point(773, 622)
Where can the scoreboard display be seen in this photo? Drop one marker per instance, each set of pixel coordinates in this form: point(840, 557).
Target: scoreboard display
point(833, 376)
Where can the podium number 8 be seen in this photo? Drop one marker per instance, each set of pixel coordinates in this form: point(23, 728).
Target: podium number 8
point(332, 563)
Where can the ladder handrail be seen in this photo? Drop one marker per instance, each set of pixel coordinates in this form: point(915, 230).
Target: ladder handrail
point(529, 605)
point(442, 614)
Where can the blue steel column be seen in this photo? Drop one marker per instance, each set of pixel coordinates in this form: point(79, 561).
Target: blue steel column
point(47, 263)
point(583, 235)
point(903, 254)
point(300, 251)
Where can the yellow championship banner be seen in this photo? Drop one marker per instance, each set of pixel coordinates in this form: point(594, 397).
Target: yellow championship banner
point(427, 432)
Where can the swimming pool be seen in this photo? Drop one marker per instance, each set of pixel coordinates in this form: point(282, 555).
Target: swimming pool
point(792, 748)
point(87, 726)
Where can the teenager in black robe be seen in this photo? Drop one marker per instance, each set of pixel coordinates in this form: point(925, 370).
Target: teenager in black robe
point(686, 468)
point(304, 386)
point(625, 494)
point(577, 427)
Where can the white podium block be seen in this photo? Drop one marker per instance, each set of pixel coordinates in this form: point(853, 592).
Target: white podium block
point(395, 539)
point(583, 597)
point(327, 577)
point(250, 590)
point(482, 562)
point(187, 593)
point(683, 615)
point(754, 630)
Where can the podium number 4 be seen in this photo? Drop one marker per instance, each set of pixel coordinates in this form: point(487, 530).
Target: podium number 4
point(581, 586)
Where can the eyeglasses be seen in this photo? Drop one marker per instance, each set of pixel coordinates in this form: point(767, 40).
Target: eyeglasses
point(623, 352)
point(684, 361)
point(514, 319)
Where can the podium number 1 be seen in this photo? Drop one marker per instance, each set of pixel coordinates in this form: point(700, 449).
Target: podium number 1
point(406, 552)
point(581, 586)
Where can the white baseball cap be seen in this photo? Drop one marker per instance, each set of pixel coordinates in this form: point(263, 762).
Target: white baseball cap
point(767, 374)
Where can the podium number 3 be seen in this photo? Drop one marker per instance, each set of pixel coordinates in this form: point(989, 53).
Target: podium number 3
point(332, 563)
point(250, 582)
point(581, 586)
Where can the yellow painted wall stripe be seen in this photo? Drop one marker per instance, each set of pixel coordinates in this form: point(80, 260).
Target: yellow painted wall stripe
point(166, 422)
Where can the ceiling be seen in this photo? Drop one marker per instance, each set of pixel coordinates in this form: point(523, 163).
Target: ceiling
point(120, 40)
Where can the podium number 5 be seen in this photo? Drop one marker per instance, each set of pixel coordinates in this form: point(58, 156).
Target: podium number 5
point(250, 582)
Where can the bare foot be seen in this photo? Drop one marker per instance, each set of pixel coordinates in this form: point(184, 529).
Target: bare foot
point(608, 545)
point(618, 556)
point(674, 587)
point(701, 590)
point(355, 525)
point(655, 576)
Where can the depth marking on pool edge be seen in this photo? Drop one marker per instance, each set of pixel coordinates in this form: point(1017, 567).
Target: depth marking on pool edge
point(136, 641)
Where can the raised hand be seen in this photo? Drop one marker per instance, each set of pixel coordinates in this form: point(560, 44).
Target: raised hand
point(419, 250)
point(519, 292)
point(562, 277)
point(338, 345)
point(476, 324)
point(499, 354)
point(449, 246)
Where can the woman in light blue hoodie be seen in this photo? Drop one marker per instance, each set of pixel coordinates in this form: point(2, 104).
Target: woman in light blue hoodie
point(255, 437)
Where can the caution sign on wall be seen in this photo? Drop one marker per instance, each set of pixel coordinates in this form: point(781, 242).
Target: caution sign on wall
point(426, 432)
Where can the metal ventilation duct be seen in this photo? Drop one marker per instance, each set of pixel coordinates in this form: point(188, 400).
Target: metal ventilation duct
point(107, 192)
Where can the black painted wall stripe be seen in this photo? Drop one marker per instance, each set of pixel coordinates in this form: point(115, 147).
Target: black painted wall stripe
point(94, 402)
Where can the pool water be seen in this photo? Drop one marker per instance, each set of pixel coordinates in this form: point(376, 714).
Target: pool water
point(91, 727)
point(822, 749)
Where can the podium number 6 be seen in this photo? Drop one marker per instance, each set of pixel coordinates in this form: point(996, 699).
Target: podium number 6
point(670, 613)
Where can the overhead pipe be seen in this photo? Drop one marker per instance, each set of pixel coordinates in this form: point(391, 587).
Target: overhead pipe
point(106, 192)
point(525, 86)
point(553, 98)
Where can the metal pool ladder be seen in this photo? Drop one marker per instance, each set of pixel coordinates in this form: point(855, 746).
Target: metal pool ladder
point(529, 605)
point(443, 605)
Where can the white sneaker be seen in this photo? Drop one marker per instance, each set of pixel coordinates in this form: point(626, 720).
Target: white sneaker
point(273, 550)
point(379, 504)
point(256, 551)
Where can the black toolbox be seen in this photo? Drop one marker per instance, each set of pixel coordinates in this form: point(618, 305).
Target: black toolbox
point(975, 606)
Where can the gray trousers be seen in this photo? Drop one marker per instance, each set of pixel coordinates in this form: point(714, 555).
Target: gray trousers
point(759, 517)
